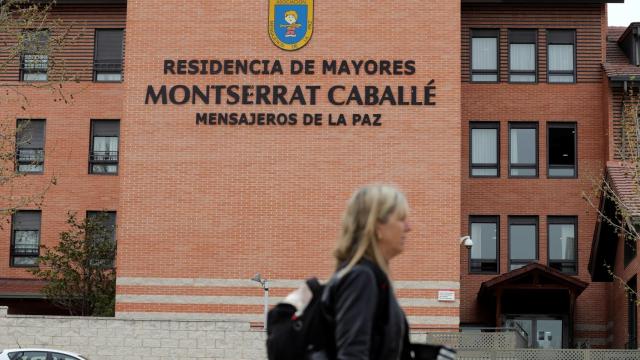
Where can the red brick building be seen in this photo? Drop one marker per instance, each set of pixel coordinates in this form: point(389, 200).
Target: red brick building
point(492, 116)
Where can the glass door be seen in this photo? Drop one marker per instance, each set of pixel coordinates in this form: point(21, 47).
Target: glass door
point(548, 334)
point(542, 332)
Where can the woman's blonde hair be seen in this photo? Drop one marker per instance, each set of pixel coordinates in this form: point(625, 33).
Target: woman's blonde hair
point(368, 206)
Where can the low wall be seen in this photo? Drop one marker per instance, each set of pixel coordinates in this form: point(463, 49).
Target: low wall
point(110, 338)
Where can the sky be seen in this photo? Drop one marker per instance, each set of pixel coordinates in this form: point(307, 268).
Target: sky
point(624, 14)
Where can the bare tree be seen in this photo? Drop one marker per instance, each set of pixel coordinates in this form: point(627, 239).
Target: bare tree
point(30, 38)
point(626, 217)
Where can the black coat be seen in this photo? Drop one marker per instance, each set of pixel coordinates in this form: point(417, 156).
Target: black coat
point(369, 323)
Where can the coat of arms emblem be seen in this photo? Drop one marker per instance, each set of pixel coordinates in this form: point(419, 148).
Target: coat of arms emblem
point(290, 23)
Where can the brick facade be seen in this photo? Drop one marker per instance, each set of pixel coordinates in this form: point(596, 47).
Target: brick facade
point(202, 208)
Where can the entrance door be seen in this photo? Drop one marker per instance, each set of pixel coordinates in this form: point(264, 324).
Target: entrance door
point(543, 332)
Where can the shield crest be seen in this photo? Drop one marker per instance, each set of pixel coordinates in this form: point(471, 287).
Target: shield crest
point(290, 23)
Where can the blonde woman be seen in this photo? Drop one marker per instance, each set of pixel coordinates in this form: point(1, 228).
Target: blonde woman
point(369, 323)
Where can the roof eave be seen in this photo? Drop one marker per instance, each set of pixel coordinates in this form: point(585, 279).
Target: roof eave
point(628, 30)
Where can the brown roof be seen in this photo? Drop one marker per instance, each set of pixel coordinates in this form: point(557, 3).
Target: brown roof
point(625, 182)
point(513, 276)
point(617, 63)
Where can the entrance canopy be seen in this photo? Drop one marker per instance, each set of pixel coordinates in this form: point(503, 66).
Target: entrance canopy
point(533, 289)
point(532, 277)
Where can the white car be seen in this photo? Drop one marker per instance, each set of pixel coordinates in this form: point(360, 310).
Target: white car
point(39, 354)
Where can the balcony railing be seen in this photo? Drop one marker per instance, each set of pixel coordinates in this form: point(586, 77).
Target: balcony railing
point(30, 155)
point(103, 157)
point(107, 70)
point(549, 354)
point(31, 251)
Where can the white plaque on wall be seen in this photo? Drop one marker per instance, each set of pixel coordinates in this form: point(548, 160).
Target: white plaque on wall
point(446, 295)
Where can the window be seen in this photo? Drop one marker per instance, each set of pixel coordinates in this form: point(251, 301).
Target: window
point(484, 252)
point(28, 355)
point(484, 55)
point(485, 145)
point(522, 56)
point(34, 58)
point(561, 142)
point(30, 146)
point(562, 244)
point(58, 356)
point(107, 64)
point(25, 239)
point(523, 149)
point(523, 241)
point(103, 157)
point(561, 49)
point(108, 220)
point(105, 256)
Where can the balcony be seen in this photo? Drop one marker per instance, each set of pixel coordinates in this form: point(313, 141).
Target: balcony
point(103, 162)
point(30, 159)
point(107, 70)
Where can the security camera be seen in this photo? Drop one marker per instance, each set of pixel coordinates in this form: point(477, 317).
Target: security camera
point(466, 241)
point(257, 278)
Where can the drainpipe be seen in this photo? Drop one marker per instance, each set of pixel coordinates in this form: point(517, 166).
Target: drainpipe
point(636, 40)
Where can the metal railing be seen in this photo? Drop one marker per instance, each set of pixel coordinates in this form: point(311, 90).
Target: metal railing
point(549, 354)
point(103, 157)
point(107, 70)
point(489, 338)
point(25, 251)
point(30, 155)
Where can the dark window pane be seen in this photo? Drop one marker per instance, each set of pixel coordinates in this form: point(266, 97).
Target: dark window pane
point(562, 155)
point(108, 57)
point(109, 45)
point(28, 355)
point(108, 219)
point(56, 356)
point(25, 241)
point(30, 145)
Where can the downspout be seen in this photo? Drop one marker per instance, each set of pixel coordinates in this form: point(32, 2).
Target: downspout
point(636, 41)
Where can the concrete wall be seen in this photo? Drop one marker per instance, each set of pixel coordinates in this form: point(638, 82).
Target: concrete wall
point(109, 338)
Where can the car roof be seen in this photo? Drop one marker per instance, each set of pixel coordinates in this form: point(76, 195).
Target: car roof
point(43, 349)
